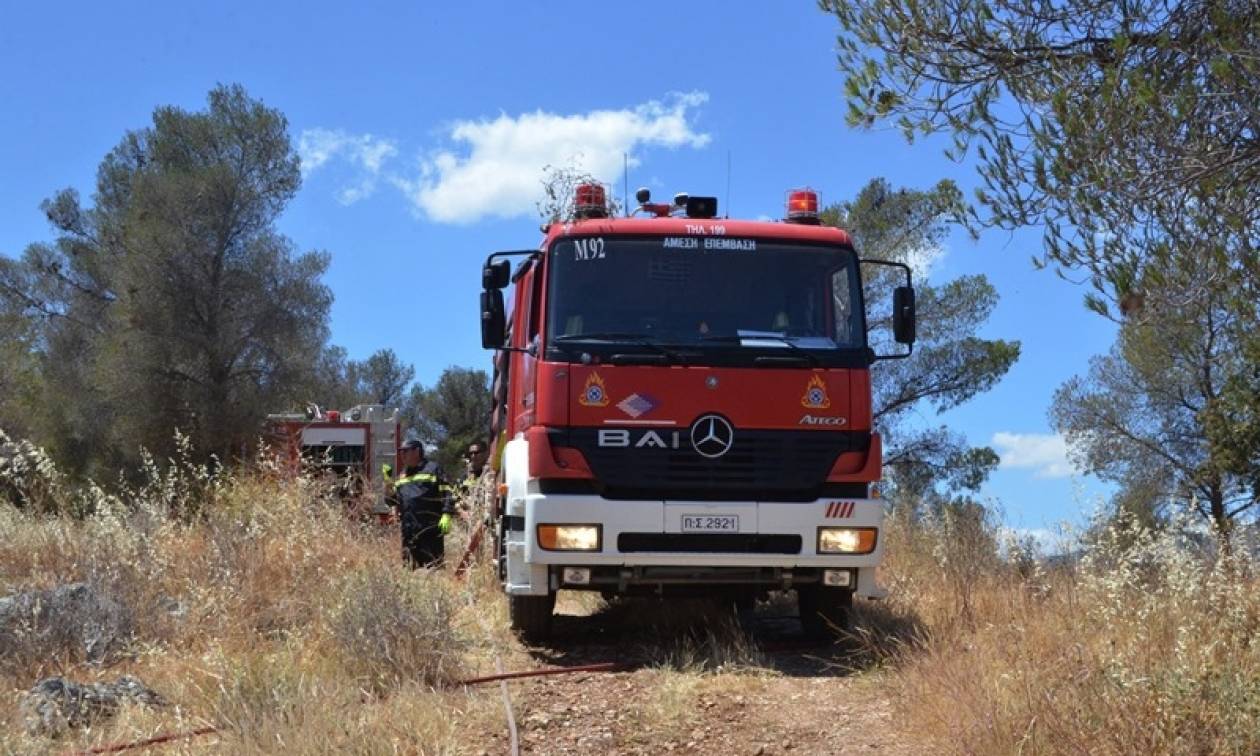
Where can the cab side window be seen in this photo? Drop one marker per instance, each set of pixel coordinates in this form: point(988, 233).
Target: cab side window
point(842, 306)
point(535, 305)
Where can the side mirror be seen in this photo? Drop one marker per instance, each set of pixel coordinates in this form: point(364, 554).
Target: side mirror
point(496, 275)
point(493, 320)
point(903, 314)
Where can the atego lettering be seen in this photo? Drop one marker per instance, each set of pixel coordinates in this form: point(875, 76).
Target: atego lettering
point(820, 420)
point(622, 438)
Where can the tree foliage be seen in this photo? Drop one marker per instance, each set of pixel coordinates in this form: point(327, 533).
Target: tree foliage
point(1120, 128)
point(382, 378)
point(333, 384)
point(950, 364)
point(453, 413)
point(341, 382)
point(1130, 133)
point(1158, 414)
point(172, 301)
point(560, 185)
point(19, 371)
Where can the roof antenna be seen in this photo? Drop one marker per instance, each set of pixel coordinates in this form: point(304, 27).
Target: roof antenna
point(728, 184)
point(625, 186)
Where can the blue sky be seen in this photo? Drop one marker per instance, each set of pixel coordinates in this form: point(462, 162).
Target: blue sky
point(424, 128)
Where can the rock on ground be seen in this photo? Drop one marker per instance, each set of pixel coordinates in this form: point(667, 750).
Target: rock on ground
point(56, 704)
point(69, 618)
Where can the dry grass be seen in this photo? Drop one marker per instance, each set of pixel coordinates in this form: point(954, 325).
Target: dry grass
point(257, 606)
point(387, 632)
point(1146, 646)
point(719, 645)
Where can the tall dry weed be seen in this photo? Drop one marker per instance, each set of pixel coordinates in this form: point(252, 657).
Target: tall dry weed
point(1147, 645)
point(387, 631)
point(255, 603)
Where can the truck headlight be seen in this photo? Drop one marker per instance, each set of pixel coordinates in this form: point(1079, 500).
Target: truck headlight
point(569, 537)
point(846, 540)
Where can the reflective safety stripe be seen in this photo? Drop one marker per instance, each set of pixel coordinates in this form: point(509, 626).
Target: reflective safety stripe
point(417, 478)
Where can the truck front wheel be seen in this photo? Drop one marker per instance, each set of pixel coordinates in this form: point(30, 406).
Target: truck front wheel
point(824, 611)
point(530, 616)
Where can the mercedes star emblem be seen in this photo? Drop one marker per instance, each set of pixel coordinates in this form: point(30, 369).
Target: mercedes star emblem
point(712, 436)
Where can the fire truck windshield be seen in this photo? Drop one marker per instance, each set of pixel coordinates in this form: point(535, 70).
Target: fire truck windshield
point(710, 293)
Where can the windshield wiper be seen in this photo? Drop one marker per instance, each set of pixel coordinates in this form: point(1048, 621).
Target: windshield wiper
point(734, 338)
point(603, 336)
point(641, 339)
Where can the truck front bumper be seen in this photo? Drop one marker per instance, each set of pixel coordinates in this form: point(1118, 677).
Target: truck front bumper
point(772, 543)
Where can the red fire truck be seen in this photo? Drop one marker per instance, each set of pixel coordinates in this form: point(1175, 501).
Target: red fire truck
point(353, 445)
point(684, 408)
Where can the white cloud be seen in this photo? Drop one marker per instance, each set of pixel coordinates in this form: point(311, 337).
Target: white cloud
point(366, 154)
point(1045, 540)
point(1043, 453)
point(496, 167)
point(922, 260)
point(352, 193)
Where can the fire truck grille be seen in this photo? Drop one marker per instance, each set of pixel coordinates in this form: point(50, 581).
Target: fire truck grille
point(761, 464)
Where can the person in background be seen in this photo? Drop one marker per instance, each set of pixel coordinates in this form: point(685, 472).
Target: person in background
point(475, 459)
point(424, 505)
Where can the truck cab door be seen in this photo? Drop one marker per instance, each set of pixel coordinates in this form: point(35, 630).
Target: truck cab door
point(526, 330)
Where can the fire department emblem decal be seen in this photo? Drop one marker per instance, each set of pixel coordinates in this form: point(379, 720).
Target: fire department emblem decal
point(594, 394)
point(816, 394)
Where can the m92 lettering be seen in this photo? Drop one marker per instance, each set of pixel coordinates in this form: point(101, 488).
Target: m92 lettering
point(588, 249)
point(613, 438)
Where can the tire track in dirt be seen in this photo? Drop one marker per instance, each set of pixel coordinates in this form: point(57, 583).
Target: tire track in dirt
point(683, 695)
point(775, 716)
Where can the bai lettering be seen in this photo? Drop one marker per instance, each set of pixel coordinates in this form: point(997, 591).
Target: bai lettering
point(620, 438)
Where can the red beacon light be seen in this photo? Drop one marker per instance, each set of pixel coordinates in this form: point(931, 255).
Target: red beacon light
point(590, 201)
point(334, 416)
point(802, 206)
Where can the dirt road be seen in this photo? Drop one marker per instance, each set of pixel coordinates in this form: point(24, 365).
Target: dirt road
point(696, 685)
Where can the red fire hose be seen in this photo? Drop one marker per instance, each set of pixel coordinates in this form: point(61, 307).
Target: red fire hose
point(156, 740)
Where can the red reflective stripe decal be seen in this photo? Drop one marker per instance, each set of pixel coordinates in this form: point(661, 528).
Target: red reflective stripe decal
point(840, 509)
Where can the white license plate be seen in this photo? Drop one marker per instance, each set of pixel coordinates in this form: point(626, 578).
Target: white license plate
point(710, 523)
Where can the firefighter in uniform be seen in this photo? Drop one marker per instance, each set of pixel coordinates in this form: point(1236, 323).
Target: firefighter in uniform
point(424, 506)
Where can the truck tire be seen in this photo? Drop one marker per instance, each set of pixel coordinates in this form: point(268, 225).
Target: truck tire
point(530, 616)
point(825, 612)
